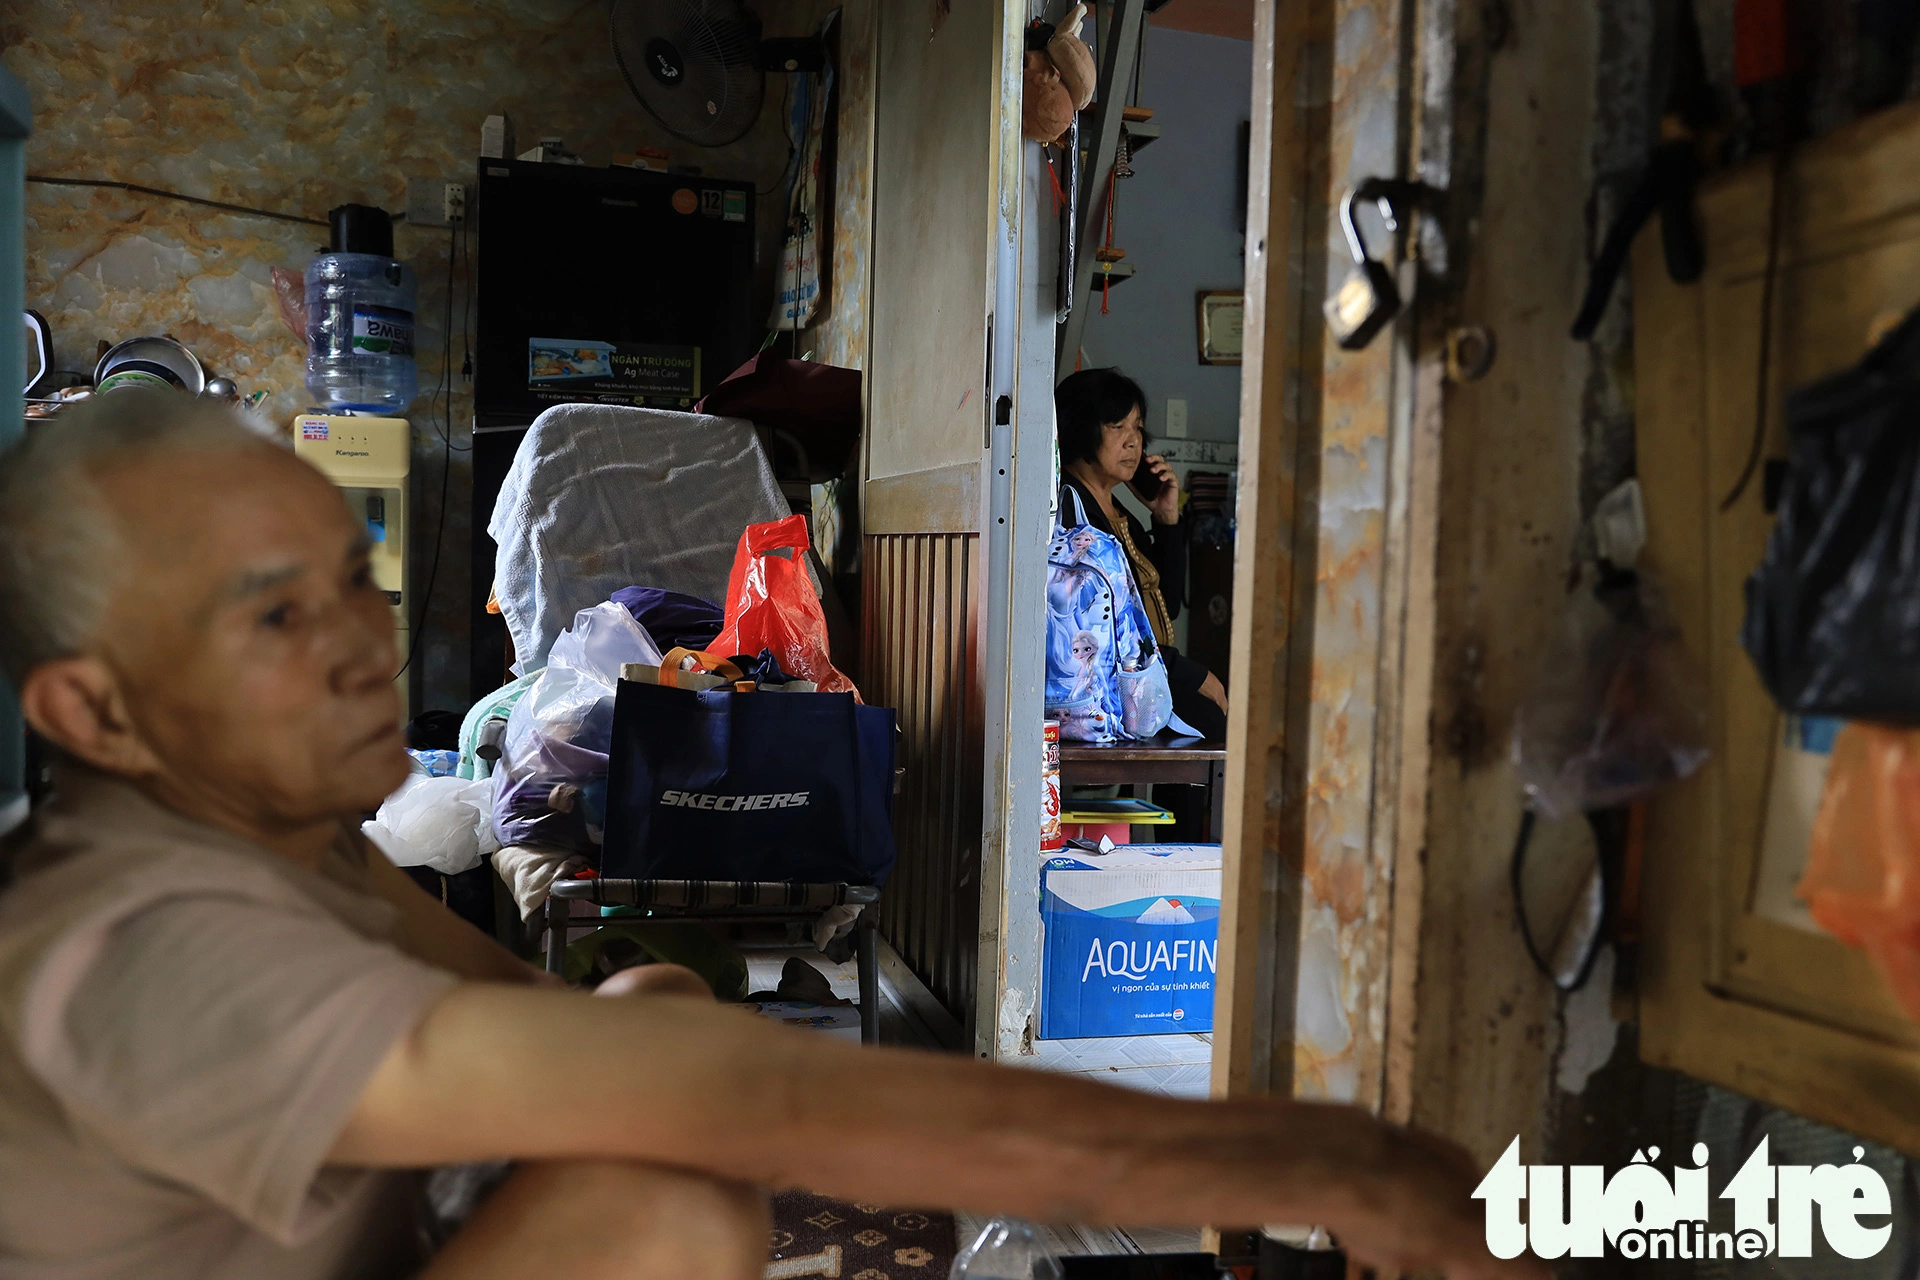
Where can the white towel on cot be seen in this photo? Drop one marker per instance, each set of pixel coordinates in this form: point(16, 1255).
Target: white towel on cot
point(601, 497)
point(530, 872)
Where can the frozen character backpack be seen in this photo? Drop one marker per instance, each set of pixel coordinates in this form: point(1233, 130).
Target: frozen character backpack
point(1105, 677)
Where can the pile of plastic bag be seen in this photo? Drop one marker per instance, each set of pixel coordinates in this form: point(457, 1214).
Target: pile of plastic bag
point(543, 809)
point(552, 776)
point(442, 823)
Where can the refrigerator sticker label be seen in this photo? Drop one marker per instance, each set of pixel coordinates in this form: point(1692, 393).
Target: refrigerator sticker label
point(735, 206)
point(614, 372)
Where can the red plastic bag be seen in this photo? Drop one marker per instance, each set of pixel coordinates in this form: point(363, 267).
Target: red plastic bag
point(1862, 882)
point(770, 605)
point(290, 293)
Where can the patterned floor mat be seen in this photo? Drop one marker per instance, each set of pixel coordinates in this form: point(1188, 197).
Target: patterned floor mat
point(816, 1236)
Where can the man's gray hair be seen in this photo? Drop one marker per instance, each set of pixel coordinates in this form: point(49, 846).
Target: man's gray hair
point(60, 544)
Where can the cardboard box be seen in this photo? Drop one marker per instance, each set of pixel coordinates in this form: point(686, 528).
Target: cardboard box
point(1131, 941)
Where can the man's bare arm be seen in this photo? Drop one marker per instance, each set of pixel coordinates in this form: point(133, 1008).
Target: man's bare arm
point(497, 1072)
point(431, 932)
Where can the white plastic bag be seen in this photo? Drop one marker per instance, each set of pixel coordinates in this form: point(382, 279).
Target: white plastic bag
point(561, 730)
point(1146, 700)
point(1618, 708)
point(582, 669)
point(442, 823)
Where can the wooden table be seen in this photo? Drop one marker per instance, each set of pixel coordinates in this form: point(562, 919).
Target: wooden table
point(1195, 763)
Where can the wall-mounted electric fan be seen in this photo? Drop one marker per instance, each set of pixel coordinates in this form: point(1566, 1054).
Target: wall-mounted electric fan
point(700, 67)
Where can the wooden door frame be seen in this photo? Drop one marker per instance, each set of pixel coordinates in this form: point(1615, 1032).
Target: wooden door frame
point(1017, 521)
point(1260, 899)
point(1294, 640)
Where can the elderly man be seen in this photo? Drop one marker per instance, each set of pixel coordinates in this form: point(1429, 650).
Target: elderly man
point(227, 1032)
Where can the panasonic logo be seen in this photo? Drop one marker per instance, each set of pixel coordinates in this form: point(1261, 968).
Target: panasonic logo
point(733, 804)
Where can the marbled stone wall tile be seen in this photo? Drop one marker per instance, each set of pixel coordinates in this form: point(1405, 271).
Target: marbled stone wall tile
point(301, 105)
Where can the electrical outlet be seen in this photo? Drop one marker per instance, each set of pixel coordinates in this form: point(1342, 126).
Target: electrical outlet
point(1176, 419)
point(453, 201)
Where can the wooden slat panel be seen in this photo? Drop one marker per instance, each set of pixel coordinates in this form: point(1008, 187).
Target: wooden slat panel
point(920, 658)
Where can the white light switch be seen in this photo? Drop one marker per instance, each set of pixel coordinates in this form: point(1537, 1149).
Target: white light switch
point(1176, 419)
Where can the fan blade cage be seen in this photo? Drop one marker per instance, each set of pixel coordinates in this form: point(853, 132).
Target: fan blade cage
point(720, 87)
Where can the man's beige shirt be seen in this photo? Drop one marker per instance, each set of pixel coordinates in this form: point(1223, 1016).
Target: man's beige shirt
point(186, 1021)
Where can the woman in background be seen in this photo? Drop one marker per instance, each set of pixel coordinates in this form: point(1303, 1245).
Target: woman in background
point(1101, 419)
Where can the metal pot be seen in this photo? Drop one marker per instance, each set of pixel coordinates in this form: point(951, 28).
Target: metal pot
point(145, 362)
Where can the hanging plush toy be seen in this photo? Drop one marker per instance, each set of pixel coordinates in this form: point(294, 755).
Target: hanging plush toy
point(1059, 77)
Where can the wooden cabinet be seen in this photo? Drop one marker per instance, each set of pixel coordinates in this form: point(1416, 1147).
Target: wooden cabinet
point(1733, 990)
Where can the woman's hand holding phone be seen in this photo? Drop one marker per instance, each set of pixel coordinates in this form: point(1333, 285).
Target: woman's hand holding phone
point(1158, 487)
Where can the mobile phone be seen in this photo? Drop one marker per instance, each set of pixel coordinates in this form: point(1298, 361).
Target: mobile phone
point(1146, 483)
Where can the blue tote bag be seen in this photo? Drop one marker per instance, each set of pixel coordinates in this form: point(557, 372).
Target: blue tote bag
point(710, 784)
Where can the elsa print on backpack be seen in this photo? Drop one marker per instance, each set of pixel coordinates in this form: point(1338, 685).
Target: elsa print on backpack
point(1105, 677)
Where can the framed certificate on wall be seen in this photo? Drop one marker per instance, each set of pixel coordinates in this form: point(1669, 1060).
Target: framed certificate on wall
point(1220, 326)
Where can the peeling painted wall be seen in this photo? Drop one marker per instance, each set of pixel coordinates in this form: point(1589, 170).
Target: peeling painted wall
point(1513, 456)
point(304, 105)
point(1340, 1015)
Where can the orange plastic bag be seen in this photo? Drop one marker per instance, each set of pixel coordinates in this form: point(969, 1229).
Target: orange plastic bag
point(770, 605)
point(1862, 882)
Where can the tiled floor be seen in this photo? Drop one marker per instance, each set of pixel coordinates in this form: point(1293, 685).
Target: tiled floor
point(764, 965)
point(1174, 1065)
point(1177, 1066)
point(898, 1023)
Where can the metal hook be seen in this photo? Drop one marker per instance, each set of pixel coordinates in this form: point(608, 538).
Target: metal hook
point(1385, 193)
point(1356, 245)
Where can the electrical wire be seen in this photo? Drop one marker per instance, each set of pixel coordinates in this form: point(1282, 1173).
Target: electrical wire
point(164, 194)
point(446, 437)
point(786, 128)
point(1516, 884)
point(1763, 376)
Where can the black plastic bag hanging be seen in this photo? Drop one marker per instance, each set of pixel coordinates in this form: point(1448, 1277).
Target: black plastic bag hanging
point(1833, 611)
